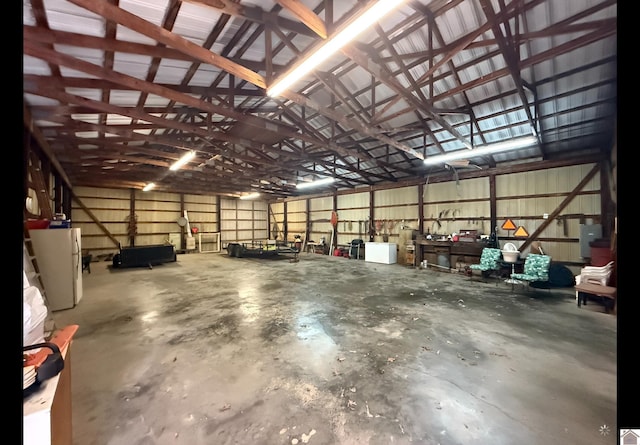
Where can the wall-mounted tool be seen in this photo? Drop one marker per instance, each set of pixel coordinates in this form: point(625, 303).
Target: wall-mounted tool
point(563, 220)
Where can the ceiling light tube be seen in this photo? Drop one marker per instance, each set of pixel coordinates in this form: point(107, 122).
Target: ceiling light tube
point(319, 182)
point(512, 144)
point(250, 196)
point(148, 187)
point(183, 160)
point(333, 44)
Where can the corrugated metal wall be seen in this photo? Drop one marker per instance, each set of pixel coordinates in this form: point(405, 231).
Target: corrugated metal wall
point(296, 219)
point(462, 205)
point(353, 217)
point(243, 221)
point(157, 214)
point(203, 215)
point(448, 207)
point(109, 206)
point(155, 218)
point(203, 212)
point(276, 220)
point(320, 218)
point(394, 210)
point(455, 206)
point(526, 197)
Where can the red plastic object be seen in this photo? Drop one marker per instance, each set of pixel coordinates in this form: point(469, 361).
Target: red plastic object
point(60, 339)
point(33, 224)
point(600, 256)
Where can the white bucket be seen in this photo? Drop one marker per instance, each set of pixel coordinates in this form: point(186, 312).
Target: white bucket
point(510, 256)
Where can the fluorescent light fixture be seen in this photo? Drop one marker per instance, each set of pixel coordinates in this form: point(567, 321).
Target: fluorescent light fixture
point(490, 149)
point(333, 44)
point(319, 182)
point(148, 187)
point(183, 160)
point(250, 196)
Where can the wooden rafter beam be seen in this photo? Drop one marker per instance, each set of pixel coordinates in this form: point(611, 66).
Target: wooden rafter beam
point(44, 146)
point(41, 186)
point(306, 16)
point(38, 51)
point(511, 58)
point(255, 14)
point(135, 23)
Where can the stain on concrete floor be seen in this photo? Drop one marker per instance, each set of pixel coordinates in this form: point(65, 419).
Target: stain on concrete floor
point(217, 350)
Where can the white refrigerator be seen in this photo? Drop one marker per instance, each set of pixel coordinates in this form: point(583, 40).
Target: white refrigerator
point(58, 253)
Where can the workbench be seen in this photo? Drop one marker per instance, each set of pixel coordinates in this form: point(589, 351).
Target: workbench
point(448, 253)
point(598, 290)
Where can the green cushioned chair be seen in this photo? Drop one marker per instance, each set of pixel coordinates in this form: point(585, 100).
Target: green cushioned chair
point(489, 262)
point(536, 268)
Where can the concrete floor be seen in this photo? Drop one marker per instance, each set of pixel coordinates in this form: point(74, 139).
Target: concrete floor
point(217, 350)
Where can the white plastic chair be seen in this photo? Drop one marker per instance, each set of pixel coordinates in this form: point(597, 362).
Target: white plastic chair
point(596, 274)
